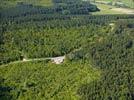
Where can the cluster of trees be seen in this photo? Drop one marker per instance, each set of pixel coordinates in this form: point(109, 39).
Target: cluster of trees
point(76, 8)
point(115, 56)
point(52, 21)
point(28, 31)
point(38, 35)
point(115, 84)
point(43, 80)
point(37, 42)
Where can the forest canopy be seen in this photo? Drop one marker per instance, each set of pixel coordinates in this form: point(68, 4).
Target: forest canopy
point(98, 51)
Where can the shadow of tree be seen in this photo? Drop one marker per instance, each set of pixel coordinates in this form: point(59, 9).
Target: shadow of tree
point(4, 91)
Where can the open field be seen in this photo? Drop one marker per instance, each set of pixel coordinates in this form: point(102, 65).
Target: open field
point(10, 3)
point(126, 2)
point(107, 9)
point(47, 81)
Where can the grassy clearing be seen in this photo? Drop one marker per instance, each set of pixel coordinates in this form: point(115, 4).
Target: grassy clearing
point(106, 9)
point(47, 81)
point(129, 3)
point(11, 3)
point(39, 2)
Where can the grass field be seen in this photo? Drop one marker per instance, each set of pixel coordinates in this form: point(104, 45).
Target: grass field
point(47, 81)
point(106, 9)
point(129, 3)
point(39, 2)
point(109, 9)
point(11, 3)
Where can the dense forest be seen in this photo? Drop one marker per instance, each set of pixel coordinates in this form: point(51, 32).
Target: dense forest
point(115, 56)
point(98, 50)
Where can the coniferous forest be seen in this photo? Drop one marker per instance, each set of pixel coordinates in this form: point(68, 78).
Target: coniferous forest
point(98, 51)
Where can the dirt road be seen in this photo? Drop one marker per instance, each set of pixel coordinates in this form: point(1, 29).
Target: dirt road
point(56, 60)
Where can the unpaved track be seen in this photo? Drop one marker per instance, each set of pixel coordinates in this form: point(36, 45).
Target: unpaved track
point(56, 60)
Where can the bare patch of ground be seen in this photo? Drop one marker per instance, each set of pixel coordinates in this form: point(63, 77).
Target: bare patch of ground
point(58, 60)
